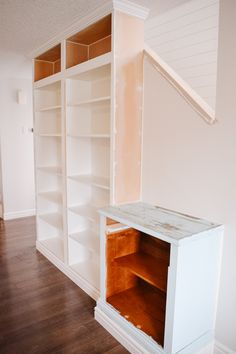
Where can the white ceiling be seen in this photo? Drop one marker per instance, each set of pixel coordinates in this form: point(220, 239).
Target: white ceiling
point(27, 24)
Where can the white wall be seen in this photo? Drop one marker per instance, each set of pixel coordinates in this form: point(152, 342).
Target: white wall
point(186, 37)
point(190, 166)
point(16, 140)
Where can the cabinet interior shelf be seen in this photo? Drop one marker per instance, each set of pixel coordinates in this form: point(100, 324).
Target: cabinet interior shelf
point(149, 268)
point(53, 219)
point(137, 267)
point(51, 170)
point(88, 239)
point(52, 196)
point(97, 181)
point(99, 100)
point(144, 307)
point(87, 211)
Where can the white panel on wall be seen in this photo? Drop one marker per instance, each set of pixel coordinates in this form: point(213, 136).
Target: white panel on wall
point(186, 37)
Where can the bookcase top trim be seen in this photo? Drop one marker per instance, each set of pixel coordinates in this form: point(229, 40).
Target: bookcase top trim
point(112, 5)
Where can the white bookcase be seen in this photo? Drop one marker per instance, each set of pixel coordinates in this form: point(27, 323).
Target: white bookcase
point(88, 121)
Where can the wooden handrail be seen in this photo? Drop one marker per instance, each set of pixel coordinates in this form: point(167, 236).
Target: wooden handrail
point(190, 96)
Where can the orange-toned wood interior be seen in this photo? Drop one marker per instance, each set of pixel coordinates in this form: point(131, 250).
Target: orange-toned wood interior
point(48, 63)
point(137, 266)
point(89, 43)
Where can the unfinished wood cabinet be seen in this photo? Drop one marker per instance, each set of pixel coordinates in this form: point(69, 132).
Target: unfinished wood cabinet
point(87, 137)
point(137, 266)
point(89, 43)
point(48, 63)
point(159, 278)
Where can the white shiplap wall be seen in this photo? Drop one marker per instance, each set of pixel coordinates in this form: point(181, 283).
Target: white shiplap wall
point(186, 37)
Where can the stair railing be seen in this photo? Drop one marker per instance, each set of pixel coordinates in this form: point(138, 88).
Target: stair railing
point(181, 86)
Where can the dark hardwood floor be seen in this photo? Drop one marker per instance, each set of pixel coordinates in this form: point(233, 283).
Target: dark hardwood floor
point(41, 310)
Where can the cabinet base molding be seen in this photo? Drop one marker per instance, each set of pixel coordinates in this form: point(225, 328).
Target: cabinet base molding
point(222, 349)
point(82, 283)
point(18, 214)
point(135, 341)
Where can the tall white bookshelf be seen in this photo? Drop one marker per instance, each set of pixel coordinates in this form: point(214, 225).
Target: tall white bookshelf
point(88, 121)
point(88, 116)
point(49, 166)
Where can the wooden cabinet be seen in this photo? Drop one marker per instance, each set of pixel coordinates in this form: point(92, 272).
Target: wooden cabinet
point(88, 119)
point(159, 278)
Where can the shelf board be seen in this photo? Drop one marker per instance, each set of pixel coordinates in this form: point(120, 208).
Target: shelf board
point(151, 269)
point(87, 211)
point(99, 100)
point(52, 196)
point(89, 270)
point(97, 181)
point(49, 108)
point(88, 239)
point(54, 245)
point(51, 169)
point(50, 135)
point(53, 219)
point(88, 136)
point(93, 69)
point(144, 307)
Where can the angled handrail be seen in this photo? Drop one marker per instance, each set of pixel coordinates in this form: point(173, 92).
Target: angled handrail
point(190, 96)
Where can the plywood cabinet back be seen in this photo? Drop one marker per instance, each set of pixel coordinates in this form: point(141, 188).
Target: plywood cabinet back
point(89, 43)
point(48, 63)
point(137, 266)
point(120, 244)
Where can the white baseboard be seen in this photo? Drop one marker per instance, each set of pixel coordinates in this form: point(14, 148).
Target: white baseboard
point(222, 349)
point(81, 282)
point(18, 214)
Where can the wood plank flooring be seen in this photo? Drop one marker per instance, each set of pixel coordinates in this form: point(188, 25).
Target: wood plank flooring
point(41, 310)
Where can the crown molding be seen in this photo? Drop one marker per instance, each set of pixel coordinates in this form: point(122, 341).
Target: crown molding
point(79, 24)
point(131, 8)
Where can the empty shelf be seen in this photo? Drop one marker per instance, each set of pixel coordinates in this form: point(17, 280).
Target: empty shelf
point(99, 100)
point(89, 270)
point(87, 211)
point(49, 108)
point(94, 136)
point(144, 307)
point(88, 239)
point(54, 245)
point(53, 219)
point(52, 196)
point(51, 169)
point(50, 135)
point(96, 181)
point(151, 269)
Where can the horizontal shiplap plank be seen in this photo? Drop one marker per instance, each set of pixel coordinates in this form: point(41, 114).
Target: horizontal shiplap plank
point(206, 91)
point(186, 38)
point(201, 25)
point(180, 11)
point(190, 51)
point(198, 70)
point(210, 35)
point(201, 14)
point(189, 61)
point(203, 80)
